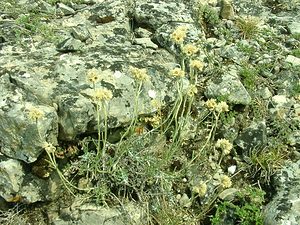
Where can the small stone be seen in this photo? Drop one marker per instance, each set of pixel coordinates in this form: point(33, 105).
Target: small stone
point(228, 194)
point(293, 60)
point(142, 33)
point(231, 169)
point(265, 93)
point(185, 201)
point(294, 27)
point(230, 87)
point(69, 45)
point(81, 33)
point(145, 42)
point(64, 9)
point(227, 11)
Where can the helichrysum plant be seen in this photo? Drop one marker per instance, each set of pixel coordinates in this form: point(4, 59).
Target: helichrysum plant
point(189, 50)
point(101, 98)
point(93, 76)
point(195, 66)
point(178, 35)
point(183, 102)
point(225, 181)
point(35, 115)
point(177, 74)
point(216, 109)
point(140, 76)
point(224, 145)
point(200, 189)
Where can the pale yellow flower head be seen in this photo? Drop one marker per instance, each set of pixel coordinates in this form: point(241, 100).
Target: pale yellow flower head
point(102, 94)
point(35, 114)
point(154, 121)
point(156, 104)
point(177, 73)
point(200, 189)
point(192, 90)
point(49, 147)
point(225, 145)
point(222, 107)
point(211, 104)
point(93, 75)
point(139, 74)
point(197, 64)
point(190, 49)
point(179, 35)
point(225, 181)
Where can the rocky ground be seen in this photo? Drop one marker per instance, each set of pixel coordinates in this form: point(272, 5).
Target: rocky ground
point(149, 112)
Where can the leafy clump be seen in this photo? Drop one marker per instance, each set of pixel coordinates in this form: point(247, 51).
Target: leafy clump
point(245, 209)
point(207, 17)
point(249, 76)
point(248, 26)
point(53, 2)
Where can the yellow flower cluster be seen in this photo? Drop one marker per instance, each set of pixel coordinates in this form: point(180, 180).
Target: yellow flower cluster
point(179, 34)
point(220, 107)
point(156, 104)
point(211, 104)
point(197, 64)
point(35, 114)
point(225, 181)
point(190, 49)
point(49, 147)
point(200, 189)
point(139, 74)
point(192, 90)
point(225, 145)
point(102, 94)
point(93, 75)
point(154, 121)
point(177, 73)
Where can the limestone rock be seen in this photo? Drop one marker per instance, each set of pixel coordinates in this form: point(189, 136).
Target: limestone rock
point(18, 186)
point(253, 138)
point(94, 215)
point(11, 178)
point(284, 206)
point(153, 14)
point(69, 45)
point(295, 61)
point(110, 11)
point(81, 32)
point(145, 42)
point(294, 27)
point(227, 11)
point(229, 87)
point(64, 9)
point(22, 136)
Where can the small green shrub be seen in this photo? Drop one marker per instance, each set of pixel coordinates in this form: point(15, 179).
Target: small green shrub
point(53, 2)
point(248, 26)
point(245, 209)
point(249, 76)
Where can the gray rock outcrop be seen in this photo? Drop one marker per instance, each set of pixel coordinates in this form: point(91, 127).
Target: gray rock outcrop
point(284, 206)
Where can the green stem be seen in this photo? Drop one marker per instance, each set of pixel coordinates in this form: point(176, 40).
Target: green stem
point(104, 134)
point(173, 116)
point(135, 113)
point(210, 135)
point(132, 124)
point(98, 128)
